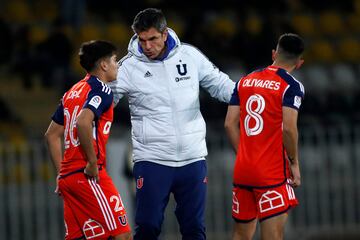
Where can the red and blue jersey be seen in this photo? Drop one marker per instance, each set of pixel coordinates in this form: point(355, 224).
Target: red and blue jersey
point(95, 95)
point(261, 158)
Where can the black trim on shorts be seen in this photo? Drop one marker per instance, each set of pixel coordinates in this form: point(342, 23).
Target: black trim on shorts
point(248, 187)
point(80, 238)
point(242, 221)
point(81, 170)
point(274, 215)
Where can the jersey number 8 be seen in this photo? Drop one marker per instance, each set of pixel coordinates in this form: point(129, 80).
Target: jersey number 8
point(254, 114)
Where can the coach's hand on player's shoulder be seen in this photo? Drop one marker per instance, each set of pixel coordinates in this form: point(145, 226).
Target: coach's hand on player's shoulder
point(91, 170)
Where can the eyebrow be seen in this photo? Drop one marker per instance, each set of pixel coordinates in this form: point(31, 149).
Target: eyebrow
point(150, 39)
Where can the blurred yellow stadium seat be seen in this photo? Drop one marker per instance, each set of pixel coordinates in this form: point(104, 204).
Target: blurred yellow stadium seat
point(223, 27)
point(89, 32)
point(38, 34)
point(304, 24)
point(253, 24)
point(47, 15)
point(18, 11)
point(118, 33)
point(353, 21)
point(331, 23)
point(322, 51)
point(349, 49)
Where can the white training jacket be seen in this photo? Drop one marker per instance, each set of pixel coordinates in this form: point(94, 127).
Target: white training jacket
point(167, 125)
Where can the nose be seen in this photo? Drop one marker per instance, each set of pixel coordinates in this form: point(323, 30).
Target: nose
point(147, 45)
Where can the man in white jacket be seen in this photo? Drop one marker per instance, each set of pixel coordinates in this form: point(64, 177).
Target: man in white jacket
point(161, 77)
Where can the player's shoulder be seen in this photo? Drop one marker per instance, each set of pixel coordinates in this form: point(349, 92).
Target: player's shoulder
point(290, 79)
point(98, 86)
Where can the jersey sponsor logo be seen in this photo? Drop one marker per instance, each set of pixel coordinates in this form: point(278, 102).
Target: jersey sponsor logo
point(271, 200)
point(95, 101)
point(178, 79)
point(92, 229)
point(297, 101)
point(235, 203)
point(183, 71)
point(139, 182)
point(74, 94)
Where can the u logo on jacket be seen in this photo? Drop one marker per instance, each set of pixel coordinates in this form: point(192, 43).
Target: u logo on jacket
point(183, 71)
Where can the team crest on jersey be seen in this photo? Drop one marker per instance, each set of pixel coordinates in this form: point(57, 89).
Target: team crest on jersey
point(182, 71)
point(271, 200)
point(139, 182)
point(123, 220)
point(95, 101)
point(92, 229)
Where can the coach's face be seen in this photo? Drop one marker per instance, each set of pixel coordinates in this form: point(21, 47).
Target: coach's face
point(152, 42)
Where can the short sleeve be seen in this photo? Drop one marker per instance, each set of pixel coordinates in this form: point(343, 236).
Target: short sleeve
point(293, 96)
point(58, 115)
point(99, 100)
point(235, 96)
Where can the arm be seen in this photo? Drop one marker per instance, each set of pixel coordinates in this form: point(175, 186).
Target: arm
point(232, 125)
point(215, 82)
point(53, 139)
point(290, 140)
point(84, 125)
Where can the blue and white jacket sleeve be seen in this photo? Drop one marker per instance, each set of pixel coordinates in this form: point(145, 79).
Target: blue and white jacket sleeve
point(215, 82)
point(119, 87)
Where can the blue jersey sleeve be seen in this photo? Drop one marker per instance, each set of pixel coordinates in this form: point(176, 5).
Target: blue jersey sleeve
point(99, 100)
point(235, 96)
point(58, 115)
point(293, 95)
point(295, 91)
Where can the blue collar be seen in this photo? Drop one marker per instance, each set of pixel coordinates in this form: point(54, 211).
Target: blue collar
point(169, 45)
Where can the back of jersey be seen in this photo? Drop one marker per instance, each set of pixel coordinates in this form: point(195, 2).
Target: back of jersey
point(262, 94)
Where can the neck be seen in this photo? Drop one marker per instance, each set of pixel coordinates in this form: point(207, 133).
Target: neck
point(287, 67)
point(161, 54)
point(99, 75)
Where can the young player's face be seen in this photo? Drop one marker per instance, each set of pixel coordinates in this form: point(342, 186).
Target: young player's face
point(112, 68)
point(152, 42)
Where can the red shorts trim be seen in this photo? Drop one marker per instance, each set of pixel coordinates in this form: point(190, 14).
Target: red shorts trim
point(249, 204)
point(92, 209)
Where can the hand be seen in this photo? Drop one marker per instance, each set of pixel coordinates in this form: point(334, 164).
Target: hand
point(92, 170)
point(295, 179)
point(57, 190)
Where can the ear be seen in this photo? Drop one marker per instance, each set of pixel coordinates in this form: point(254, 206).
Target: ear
point(273, 54)
point(165, 34)
point(299, 63)
point(103, 65)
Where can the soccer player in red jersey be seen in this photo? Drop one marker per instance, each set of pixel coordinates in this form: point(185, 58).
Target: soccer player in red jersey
point(92, 206)
point(261, 124)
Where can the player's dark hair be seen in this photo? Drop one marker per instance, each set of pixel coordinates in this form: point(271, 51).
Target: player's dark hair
point(91, 52)
point(290, 46)
point(148, 18)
